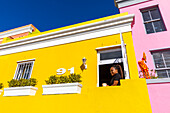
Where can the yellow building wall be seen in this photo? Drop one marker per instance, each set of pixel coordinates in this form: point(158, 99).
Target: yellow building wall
point(130, 97)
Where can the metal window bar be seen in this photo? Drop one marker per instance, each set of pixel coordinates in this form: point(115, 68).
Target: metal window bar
point(27, 72)
point(20, 71)
point(19, 66)
point(23, 70)
point(30, 70)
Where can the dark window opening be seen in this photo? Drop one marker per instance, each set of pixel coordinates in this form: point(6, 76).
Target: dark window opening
point(104, 73)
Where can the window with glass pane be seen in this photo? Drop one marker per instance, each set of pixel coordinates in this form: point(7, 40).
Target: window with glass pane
point(111, 55)
point(153, 20)
point(23, 70)
point(162, 63)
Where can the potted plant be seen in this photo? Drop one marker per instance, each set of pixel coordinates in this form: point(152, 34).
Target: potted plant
point(62, 84)
point(1, 86)
point(21, 87)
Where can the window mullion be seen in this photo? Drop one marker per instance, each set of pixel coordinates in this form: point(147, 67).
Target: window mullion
point(145, 22)
point(152, 22)
point(164, 60)
point(165, 64)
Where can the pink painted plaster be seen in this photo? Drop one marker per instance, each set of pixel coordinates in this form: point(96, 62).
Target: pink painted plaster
point(144, 42)
point(159, 93)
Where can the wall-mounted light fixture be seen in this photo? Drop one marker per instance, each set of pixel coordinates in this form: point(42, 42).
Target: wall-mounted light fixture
point(84, 65)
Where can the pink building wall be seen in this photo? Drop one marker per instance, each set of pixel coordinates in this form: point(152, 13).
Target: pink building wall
point(144, 42)
point(159, 93)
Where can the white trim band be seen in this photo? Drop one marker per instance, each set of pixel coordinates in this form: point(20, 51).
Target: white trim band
point(16, 31)
point(125, 3)
point(85, 32)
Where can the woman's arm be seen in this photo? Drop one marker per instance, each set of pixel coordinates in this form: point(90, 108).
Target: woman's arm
point(115, 83)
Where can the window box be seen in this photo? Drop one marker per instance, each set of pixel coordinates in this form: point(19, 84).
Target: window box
point(65, 88)
point(1, 91)
point(20, 91)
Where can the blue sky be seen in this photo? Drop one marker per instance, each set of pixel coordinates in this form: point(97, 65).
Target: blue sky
point(51, 14)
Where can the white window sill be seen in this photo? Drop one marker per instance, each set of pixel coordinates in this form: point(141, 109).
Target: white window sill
point(159, 80)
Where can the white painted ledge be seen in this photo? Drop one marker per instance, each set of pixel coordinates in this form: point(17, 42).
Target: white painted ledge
point(20, 91)
point(85, 32)
point(159, 80)
point(125, 3)
point(1, 91)
point(16, 31)
point(65, 88)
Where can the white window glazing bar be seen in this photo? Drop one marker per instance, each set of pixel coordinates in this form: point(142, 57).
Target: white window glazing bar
point(152, 22)
point(165, 64)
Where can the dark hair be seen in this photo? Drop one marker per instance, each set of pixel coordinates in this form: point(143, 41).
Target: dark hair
point(118, 68)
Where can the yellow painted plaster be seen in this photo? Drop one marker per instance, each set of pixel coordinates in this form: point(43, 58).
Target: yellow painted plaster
point(130, 97)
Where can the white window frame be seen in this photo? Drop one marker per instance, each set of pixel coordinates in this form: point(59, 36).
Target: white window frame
point(152, 20)
point(159, 80)
point(23, 62)
point(166, 68)
point(110, 61)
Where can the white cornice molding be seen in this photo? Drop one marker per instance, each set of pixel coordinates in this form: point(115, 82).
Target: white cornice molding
point(84, 32)
point(125, 3)
point(16, 31)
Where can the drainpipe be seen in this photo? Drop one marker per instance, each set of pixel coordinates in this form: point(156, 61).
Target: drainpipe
point(124, 56)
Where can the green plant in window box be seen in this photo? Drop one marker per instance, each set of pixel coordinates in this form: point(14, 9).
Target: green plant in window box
point(64, 79)
point(22, 82)
point(1, 85)
point(57, 84)
point(75, 78)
